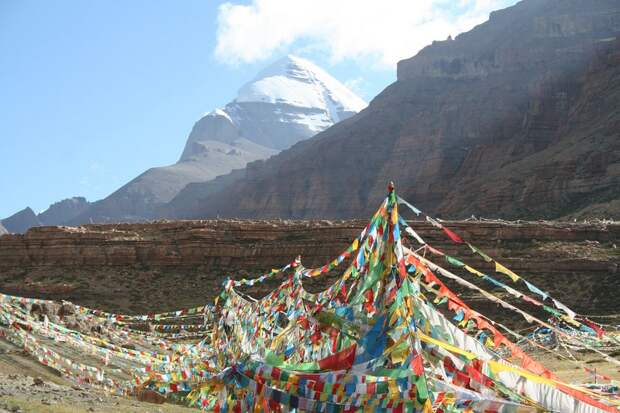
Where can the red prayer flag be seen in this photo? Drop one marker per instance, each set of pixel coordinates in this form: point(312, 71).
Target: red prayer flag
point(475, 374)
point(452, 236)
point(342, 360)
point(418, 365)
point(599, 331)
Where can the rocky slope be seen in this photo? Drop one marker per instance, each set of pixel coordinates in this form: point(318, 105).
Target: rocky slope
point(516, 118)
point(140, 199)
point(189, 203)
point(289, 101)
point(167, 265)
point(21, 221)
point(59, 213)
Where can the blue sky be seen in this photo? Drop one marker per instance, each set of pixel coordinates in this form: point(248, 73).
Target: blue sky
point(92, 93)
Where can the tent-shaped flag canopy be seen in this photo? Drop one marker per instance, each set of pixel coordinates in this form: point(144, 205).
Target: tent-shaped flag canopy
point(377, 340)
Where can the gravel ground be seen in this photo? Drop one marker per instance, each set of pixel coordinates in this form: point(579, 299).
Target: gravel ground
point(22, 393)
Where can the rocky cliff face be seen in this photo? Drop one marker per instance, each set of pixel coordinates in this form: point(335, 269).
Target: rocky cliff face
point(516, 118)
point(166, 265)
point(3, 230)
point(519, 39)
point(577, 173)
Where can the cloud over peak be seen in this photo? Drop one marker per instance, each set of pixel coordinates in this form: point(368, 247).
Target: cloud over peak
point(386, 31)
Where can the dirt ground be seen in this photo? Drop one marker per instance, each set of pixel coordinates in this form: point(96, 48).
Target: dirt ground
point(572, 373)
point(27, 386)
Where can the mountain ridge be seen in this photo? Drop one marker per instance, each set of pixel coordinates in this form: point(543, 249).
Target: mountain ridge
point(459, 113)
point(261, 121)
point(63, 211)
point(20, 221)
point(290, 100)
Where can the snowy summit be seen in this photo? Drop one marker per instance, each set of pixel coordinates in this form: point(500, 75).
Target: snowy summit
point(290, 100)
point(298, 82)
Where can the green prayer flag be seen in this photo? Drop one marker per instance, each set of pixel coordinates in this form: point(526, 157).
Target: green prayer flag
point(454, 261)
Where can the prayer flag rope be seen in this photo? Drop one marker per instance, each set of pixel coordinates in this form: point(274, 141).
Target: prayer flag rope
point(369, 342)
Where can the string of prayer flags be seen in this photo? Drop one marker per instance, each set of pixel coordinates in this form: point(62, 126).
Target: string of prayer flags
point(480, 253)
point(536, 290)
point(454, 237)
point(473, 271)
point(370, 341)
point(454, 261)
point(408, 205)
point(498, 267)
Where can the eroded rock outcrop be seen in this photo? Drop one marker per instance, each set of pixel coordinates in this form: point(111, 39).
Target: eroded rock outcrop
point(167, 265)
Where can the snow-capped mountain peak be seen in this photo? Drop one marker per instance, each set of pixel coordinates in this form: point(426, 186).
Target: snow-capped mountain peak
point(290, 100)
point(298, 82)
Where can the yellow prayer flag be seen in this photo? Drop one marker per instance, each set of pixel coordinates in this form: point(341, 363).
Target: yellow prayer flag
point(497, 367)
point(570, 321)
point(500, 268)
point(473, 271)
point(400, 355)
point(489, 343)
point(449, 347)
point(394, 317)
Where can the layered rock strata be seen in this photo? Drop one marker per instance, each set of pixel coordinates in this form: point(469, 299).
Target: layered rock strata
point(167, 265)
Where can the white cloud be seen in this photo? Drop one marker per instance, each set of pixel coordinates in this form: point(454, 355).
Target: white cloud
point(355, 84)
point(385, 30)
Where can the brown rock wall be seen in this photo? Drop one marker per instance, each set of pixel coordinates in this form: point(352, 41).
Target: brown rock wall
point(253, 244)
point(167, 265)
